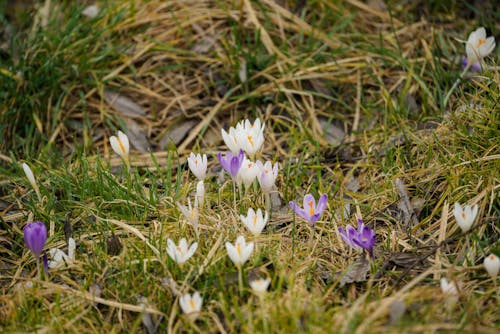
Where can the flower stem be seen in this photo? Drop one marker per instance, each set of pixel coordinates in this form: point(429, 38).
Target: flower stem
point(240, 279)
point(448, 95)
point(311, 237)
point(234, 194)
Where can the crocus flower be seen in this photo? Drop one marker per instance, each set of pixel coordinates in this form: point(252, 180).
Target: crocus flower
point(254, 221)
point(58, 257)
point(448, 288)
point(240, 251)
point(475, 67)
point(260, 285)
point(311, 212)
point(231, 162)
point(35, 236)
point(120, 145)
point(247, 173)
point(191, 304)
point(31, 178)
point(191, 213)
point(231, 139)
point(465, 216)
point(181, 253)
point(251, 138)
point(492, 265)
point(362, 238)
point(268, 175)
point(200, 193)
point(478, 46)
point(198, 165)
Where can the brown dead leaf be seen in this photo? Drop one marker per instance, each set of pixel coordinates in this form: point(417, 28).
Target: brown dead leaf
point(357, 271)
point(125, 106)
point(404, 204)
point(176, 133)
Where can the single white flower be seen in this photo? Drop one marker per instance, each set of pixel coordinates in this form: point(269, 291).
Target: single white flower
point(267, 176)
point(181, 253)
point(230, 139)
point(120, 145)
point(91, 11)
point(247, 173)
point(198, 165)
point(251, 138)
point(31, 178)
point(260, 285)
point(58, 257)
point(191, 304)
point(448, 288)
point(492, 265)
point(254, 221)
point(190, 212)
point(465, 216)
point(200, 193)
point(240, 251)
point(478, 46)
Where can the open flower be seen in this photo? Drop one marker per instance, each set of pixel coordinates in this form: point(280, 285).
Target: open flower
point(231, 162)
point(478, 46)
point(240, 251)
point(465, 215)
point(35, 236)
point(31, 178)
point(251, 137)
point(260, 285)
point(190, 212)
point(362, 238)
point(120, 145)
point(254, 221)
point(247, 173)
point(58, 257)
point(181, 253)
point(191, 304)
point(311, 212)
point(231, 138)
point(492, 265)
point(268, 175)
point(198, 165)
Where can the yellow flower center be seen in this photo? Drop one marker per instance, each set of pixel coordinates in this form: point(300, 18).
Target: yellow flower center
point(492, 257)
point(311, 208)
point(254, 220)
point(250, 140)
point(480, 42)
point(191, 303)
point(250, 165)
point(122, 148)
point(238, 249)
point(463, 215)
point(179, 249)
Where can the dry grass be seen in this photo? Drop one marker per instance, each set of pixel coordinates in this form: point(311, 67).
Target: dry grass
point(352, 99)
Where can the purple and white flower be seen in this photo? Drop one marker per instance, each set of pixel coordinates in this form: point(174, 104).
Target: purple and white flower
point(310, 212)
point(231, 162)
point(362, 238)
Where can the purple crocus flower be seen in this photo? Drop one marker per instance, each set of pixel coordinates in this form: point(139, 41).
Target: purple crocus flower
point(362, 238)
point(35, 236)
point(475, 67)
point(231, 162)
point(311, 212)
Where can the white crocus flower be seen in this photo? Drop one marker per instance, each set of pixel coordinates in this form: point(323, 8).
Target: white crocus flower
point(465, 216)
point(240, 251)
point(450, 290)
point(492, 265)
point(254, 221)
point(247, 173)
point(190, 212)
point(251, 138)
point(58, 257)
point(231, 140)
point(267, 176)
point(31, 178)
point(478, 46)
point(120, 145)
point(181, 253)
point(261, 285)
point(198, 165)
point(191, 304)
point(200, 193)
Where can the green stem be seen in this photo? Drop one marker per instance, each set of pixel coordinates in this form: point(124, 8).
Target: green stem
point(448, 95)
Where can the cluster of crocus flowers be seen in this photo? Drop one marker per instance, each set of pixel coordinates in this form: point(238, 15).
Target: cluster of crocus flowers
point(310, 212)
point(182, 252)
point(465, 215)
point(362, 238)
point(245, 136)
point(255, 221)
point(120, 144)
point(191, 304)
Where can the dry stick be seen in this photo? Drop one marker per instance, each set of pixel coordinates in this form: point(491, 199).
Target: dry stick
point(358, 103)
